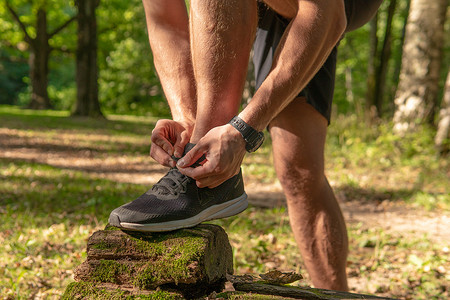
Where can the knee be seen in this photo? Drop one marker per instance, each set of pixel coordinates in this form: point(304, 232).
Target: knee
point(300, 181)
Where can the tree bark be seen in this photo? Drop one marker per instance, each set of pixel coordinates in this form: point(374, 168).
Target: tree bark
point(87, 103)
point(398, 61)
point(382, 67)
point(39, 57)
point(373, 42)
point(422, 53)
point(442, 139)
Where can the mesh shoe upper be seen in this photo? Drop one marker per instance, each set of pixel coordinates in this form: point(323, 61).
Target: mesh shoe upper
point(177, 197)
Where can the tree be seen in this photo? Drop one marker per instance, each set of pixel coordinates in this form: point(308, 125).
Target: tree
point(378, 63)
point(442, 139)
point(371, 111)
point(87, 103)
point(40, 49)
point(418, 88)
point(38, 37)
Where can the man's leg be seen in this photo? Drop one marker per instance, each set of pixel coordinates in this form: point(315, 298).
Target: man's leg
point(222, 33)
point(298, 137)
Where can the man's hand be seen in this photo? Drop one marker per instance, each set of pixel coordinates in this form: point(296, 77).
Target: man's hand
point(224, 149)
point(169, 138)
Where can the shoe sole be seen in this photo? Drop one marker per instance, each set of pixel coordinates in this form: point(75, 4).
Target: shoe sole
point(219, 211)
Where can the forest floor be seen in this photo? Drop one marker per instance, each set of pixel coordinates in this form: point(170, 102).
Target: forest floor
point(381, 213)
point(397, 248)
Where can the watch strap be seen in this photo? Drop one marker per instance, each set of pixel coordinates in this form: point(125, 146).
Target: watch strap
point(252, 137)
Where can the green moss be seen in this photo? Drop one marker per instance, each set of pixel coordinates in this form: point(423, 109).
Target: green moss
point(108, 271)
point(171, 255)
point(101, 246)
point(87, 290)
point(111, 228)
point(165, 268)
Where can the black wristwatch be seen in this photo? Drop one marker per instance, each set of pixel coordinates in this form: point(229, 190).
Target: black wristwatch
point(253, 138)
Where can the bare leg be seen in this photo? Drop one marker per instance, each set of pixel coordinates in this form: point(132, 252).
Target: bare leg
point(298, 134)
point(222, 33)
point(168, 28)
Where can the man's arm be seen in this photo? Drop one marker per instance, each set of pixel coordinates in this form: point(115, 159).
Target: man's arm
point(305, 45)
point(168, 31)
point(313, 32)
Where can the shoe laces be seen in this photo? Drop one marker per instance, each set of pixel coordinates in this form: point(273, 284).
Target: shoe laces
point(172, 183)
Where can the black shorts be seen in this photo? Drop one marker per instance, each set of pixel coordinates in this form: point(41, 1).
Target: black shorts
point(271, 26)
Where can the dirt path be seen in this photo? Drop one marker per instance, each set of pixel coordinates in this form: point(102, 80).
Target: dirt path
point(391, 217)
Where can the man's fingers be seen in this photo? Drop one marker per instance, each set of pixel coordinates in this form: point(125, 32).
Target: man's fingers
point(161, 156)
point(162, 143)
point(190, 158)
point(180, 143)
point(196, 173)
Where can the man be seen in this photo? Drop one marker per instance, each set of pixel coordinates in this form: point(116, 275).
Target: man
point(201, 59)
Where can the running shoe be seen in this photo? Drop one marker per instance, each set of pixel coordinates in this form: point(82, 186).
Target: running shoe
point(176, 202)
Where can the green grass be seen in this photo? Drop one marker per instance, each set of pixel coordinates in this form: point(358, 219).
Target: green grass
point(48, 210)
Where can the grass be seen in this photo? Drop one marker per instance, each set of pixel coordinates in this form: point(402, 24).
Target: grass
point(52, 200)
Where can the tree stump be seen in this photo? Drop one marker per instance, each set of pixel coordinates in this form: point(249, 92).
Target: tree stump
point(190, 262)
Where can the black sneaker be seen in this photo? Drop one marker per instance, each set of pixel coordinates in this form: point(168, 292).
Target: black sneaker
point(176, 202)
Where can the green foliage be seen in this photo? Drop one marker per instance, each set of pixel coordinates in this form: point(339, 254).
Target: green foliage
point(128, 81)
point(61, 77)
point(13, 69)
point(58, 12)
point(62, 87)
point(353, 60)
point(371, 150)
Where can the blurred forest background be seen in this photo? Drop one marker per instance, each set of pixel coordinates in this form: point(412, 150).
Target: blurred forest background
point(79, 97)
point(92, 57)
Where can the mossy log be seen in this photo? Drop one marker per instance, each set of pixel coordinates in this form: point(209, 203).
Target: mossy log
point(292, 292)
point(194, 261)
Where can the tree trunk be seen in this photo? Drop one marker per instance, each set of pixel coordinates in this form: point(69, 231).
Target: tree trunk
point(370, 96)
point(87, 103)
point(382, 68)
point(442, 139)
point(398, 61)
point(422, 52)
point(39, 57)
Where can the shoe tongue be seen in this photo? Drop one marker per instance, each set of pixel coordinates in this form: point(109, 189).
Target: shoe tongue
point(168, 182)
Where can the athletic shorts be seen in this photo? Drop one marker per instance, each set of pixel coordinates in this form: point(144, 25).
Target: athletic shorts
point(271, 26)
